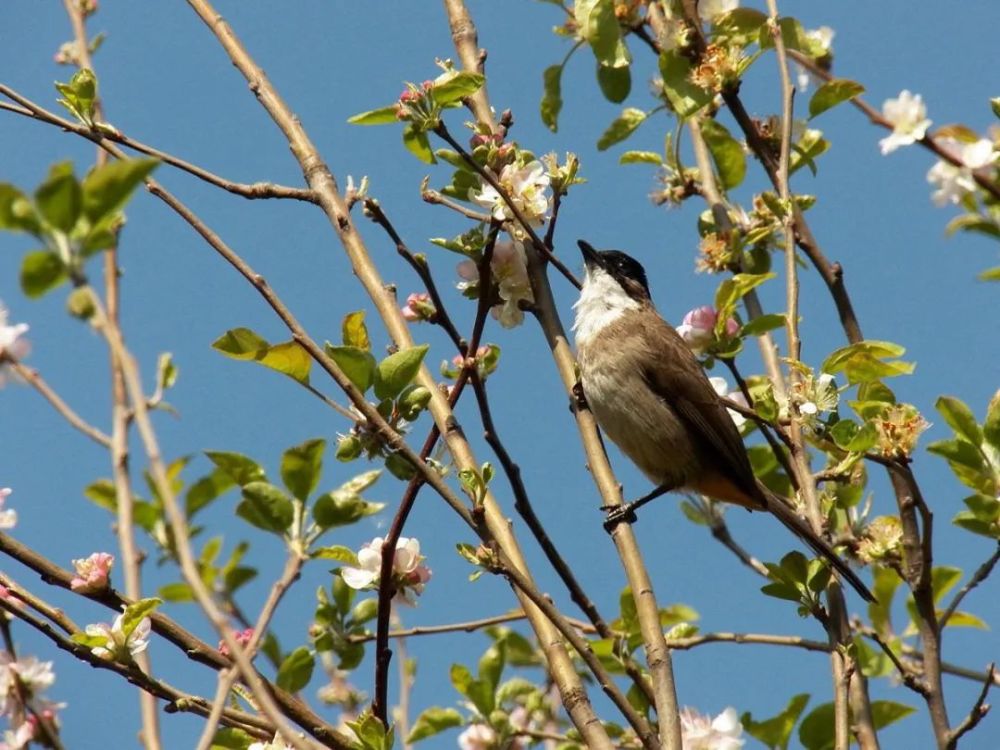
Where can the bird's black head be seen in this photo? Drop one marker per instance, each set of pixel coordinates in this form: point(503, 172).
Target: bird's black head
point(623, 268)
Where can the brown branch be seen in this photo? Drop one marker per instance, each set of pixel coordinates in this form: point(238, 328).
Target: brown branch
point(434, 197)
point(457, 627)
point(103, 136)
point(720, 532)
point(34, 379)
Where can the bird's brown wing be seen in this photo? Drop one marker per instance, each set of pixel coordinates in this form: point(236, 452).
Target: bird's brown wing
point(678, 378)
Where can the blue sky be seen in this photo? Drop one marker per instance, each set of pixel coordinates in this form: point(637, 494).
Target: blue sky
point(166, 82)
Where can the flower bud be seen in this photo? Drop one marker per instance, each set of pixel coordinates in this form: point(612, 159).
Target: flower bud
point(349, 448)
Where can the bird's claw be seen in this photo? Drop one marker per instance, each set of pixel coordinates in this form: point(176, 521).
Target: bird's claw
point(617, 514)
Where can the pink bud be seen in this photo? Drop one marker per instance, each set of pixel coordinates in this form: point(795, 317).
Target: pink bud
point(701, 318)
point(92, 573)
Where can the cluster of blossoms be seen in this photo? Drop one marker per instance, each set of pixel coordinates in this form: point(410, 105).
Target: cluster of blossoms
point(11, 340)
point(8, 518)
point(242, 637)
point(92, 573)
point(698, 328)
point(717, 254)
point(527, 187)
point(719, 66)
point(954, 182)
point(22, 682)
point(117, 644)
point(509, 270)
point(485, 360)
point(700, 732)
point(882, 541)
point(810, 398)
point(409, 574)
point(67, 54)
point(821, 40)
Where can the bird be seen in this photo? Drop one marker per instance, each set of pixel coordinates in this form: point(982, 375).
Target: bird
point(652, 398)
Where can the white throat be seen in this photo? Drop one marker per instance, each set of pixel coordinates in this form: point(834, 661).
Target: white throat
point(602, 301)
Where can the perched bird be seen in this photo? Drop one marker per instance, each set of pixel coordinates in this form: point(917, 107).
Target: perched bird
point(651, 396)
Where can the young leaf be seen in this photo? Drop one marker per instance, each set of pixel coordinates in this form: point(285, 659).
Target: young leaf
point(598, 24)
point(358, 364)
point(397, 370)
point(288, 358)
point(336, 552)
point(380, 116)
point(135, 612)
point(41, 272)
point(301, 467)
point(59, 198)
point(106, 189)
point(816, 730)
point(418, 144)
point(640, 157)
point(17, 213)
point(685, 97)
point(456, 87)
point(728, 155)
point(354, 331)
point(885, 713)
point(622, 127)
point(266, 507)
point(615, 83)
point(296, 670)
point(240, 343)
point(960, 418)
point(551, 103)
point(434, 721)
point(832, 93)
point(242, 469)
point(776, 731)
point(79, 95)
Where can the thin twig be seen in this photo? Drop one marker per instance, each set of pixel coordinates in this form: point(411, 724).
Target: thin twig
point(103, 136)
point(434, 197)
point(34, 379)
point(981, 574)
point(976, 714)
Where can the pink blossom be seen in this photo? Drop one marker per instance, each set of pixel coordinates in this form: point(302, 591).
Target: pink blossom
point(698, 328)
point(700, 732)
point(11, 341)
point(242, 637)
point(418, 307)
point(92, 573)
point(477, 737)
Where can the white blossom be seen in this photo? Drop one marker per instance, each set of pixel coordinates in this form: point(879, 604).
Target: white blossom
point(408, 570)
point(509, 269)
point(118, 646)
point(703, 733)
point(477, 737)
point(276, 744)
point(908, 116)
point(822, 40)
point(953, 182)
point(8, 518)
point(712, 9)
point(11, 341)
point(525, 186)
point(721, 387)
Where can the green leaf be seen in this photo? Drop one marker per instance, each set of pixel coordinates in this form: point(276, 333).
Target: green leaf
point(240, 343)
point(961, 619)
point(41, 272)
point(640, 157)
point(59, 198)
point(685, 98)
point(242, 469)
point(341, 509)
point(960, 418)
point(296, 670)
point(776, 731)
point(17, 213)
point(418, 144)
point(622, 127)
point(991, 426)
point(266, 507)
point(727, 153)
point(456, 87)
point(973, 223)
point(354, 331)
point(396, 371)
point(990, 274)
point(358, 364)
point(102, 494)
point(288, 358)
point(763, 324)
point(816, 730)
point(176, 592)
point(230, 738)
point(106, 189)
point(885, 713)
point(733, 289)
point(864, 361)
point(136, 612)
point(551, 103)
point(491, 665)
point(79, 95)
point(832, 93)
point(792, 34)
point(434, 721)
point(381, 116)
point(615, 83)
point(301, 467)
point(598, 24)
point(336, 552)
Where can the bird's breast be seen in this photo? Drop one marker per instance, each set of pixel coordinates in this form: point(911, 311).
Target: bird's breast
point(636, 419)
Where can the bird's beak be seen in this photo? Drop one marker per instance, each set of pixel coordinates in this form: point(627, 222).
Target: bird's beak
point(591, 258)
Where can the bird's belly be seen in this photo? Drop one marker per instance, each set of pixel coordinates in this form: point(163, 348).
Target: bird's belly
point(642, 425)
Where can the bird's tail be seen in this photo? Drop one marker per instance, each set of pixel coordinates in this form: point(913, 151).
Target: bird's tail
point(779, 508)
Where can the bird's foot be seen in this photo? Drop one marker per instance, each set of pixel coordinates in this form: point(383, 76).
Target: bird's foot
point(616, 514)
